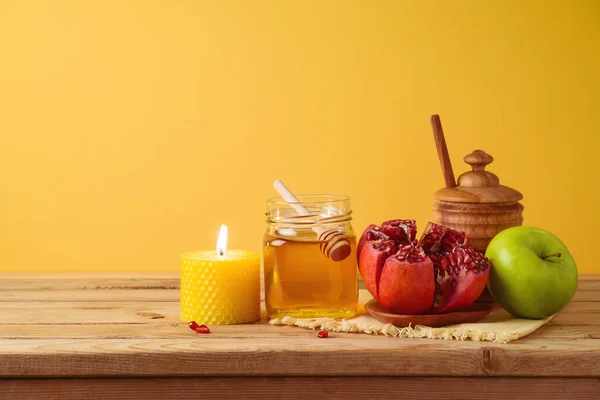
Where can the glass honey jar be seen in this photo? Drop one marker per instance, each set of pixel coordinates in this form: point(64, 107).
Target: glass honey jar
point(302, 279)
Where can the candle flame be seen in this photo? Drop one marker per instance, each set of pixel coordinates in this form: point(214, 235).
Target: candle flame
point(222, 241)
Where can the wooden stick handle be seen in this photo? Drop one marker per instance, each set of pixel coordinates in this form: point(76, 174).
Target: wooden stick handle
point(289, 197)
point(442, 150)
point(293, 201)
point(334, 244)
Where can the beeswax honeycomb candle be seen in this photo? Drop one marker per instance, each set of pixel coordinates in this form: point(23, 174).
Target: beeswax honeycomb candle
point(220, 289)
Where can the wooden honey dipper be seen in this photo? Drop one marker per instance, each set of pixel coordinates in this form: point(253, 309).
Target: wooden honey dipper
point(334, 244)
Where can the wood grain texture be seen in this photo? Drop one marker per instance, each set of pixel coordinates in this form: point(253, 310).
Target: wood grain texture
point(480, 221)
point(478, 160)
point(335, 245)
point(302, 387)
point(85, 326)
point(88, 282)
point(167, 330)
point(442, 150)
point(110, 312)
point(87, 296)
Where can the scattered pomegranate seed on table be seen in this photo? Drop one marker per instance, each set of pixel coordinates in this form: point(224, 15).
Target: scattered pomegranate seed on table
point(198, 328)
point(323, 334)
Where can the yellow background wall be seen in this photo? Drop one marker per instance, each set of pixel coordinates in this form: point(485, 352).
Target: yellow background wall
point(130, 130)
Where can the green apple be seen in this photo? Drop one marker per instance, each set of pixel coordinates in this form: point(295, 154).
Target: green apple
point(533, 274)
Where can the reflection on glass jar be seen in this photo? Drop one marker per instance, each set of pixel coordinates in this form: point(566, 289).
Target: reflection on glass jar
point(300, 279)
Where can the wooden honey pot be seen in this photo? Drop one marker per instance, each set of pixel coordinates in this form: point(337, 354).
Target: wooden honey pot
point(478, 205)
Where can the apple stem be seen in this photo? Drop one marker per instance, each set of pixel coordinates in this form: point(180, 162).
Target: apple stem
point(552, 255)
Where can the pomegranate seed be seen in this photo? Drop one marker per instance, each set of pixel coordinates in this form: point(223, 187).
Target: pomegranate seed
point(202, 329)
point(323, 334)
point(193, 325)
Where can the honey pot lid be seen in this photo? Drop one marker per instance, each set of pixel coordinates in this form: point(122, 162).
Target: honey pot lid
point(478, 185)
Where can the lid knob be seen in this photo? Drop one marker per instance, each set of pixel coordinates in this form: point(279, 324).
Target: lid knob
point(478, 176)
point(478, 160)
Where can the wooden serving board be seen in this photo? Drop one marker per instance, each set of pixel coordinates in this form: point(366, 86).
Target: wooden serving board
point(473, 313)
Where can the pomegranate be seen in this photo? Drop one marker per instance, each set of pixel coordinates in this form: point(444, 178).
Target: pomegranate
point(439, 273)
point(406, 282)
point(437, 239)
point(373, 232)
point(371, 260)
point(402, 231)
point(461, 273)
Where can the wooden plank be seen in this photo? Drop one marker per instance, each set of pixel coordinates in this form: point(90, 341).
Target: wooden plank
point(83, 275)
point(563, 319)
point(296, 356)
point(306, 342)
point(83, 282)
point(128, 281)
point(166, 330)
point(582, 307)
point(587, 295)
point(87, 312)
point(155, 330)
point(560, 332)
point(576, 313)
point(100, 295)
point(302, 387)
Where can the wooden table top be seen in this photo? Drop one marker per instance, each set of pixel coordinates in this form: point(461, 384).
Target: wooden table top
point(128, 326)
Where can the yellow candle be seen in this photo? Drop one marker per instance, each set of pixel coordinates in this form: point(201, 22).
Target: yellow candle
point(220, 286)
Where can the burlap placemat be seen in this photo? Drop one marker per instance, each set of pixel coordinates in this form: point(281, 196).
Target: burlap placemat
point(498, 326)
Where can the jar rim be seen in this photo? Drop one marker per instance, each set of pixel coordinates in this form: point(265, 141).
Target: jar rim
point(327, 198)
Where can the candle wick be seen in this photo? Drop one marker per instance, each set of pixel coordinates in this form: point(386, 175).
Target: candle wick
point(221, 252)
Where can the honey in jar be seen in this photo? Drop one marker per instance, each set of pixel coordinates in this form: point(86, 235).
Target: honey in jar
point(300, 279)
